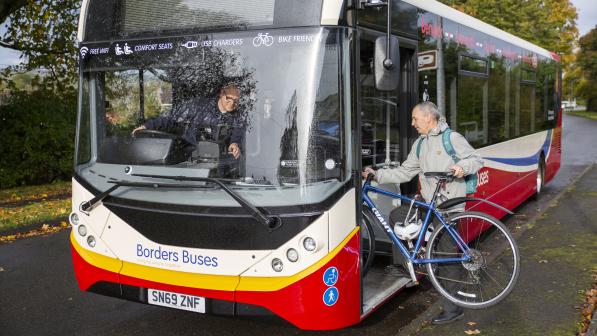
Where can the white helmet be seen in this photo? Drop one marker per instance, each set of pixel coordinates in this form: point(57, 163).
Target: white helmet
point(408, 231)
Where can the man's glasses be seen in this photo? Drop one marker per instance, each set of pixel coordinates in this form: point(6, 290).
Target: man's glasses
point(231, 99)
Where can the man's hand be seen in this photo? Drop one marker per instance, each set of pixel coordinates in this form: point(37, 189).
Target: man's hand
point(142, 127)
point(458, 171)
point(234, 150)
point(367, 171)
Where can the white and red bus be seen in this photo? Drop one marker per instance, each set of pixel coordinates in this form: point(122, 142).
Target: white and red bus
point(162, 220)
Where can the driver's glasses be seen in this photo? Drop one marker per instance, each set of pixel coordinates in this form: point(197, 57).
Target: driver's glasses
point(231, 100)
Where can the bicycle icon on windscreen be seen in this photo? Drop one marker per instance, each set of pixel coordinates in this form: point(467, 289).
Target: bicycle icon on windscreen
point(263, 39)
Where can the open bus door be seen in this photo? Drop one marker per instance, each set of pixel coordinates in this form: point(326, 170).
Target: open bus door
point(386, 136)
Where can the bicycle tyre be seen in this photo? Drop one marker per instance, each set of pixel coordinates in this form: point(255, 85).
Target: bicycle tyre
point(367, 241)
point(495, 263)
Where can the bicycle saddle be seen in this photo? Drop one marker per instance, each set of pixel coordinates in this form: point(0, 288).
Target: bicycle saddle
point(440, 175)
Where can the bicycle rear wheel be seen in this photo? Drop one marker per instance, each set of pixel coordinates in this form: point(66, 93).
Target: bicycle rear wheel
point(492, 272)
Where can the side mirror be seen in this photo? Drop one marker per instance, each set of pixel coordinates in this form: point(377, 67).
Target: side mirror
point(387, 65)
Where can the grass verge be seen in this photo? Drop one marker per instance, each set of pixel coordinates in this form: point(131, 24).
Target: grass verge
point(36, 213)
point(34, 193)
point(584, 114)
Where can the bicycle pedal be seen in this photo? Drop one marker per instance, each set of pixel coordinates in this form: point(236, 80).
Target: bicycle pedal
point(412, 284)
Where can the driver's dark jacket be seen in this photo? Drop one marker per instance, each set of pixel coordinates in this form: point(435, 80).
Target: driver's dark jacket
point(199, 115)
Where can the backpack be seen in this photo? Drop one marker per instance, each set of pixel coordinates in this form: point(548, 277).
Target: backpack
point(471, 180)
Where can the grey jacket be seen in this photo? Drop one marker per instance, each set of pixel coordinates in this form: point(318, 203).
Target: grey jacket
point(433, 158)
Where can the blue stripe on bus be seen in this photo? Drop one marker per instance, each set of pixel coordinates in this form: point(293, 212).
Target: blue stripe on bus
point(525, 161)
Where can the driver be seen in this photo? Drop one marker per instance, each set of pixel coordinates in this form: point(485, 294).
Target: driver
point(208, 114)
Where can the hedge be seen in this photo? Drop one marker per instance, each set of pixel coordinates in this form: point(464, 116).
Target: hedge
point(37, 132)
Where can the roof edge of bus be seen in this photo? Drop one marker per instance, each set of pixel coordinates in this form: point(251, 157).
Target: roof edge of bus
point(450, 13)
point(82, 20)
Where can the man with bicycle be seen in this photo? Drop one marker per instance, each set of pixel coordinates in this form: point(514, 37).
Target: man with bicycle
point(428, 154)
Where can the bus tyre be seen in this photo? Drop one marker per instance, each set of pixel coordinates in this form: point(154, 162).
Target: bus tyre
point(367, 241)
point(491, 273)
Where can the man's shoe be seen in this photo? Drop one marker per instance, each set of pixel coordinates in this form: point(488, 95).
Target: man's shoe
point(447, 317)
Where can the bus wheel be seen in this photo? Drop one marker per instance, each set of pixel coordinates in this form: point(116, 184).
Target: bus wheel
point(540, 176)
point(367, 241)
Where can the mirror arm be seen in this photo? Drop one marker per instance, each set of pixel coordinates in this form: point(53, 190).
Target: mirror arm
point(388, 63)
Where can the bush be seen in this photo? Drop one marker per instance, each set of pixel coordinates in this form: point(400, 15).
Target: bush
point(37, 133)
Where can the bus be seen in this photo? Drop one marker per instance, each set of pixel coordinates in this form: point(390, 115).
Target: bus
point(325, 88)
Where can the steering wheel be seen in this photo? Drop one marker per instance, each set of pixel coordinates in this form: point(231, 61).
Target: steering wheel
point(151, 133)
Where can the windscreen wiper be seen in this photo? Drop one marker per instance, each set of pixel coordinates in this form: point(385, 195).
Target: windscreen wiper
point(85, 207)
point(270, 222)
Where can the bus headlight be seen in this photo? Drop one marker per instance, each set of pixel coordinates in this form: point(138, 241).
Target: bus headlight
point(309, 244)
point(91, 241)
point(277, 265)
point(74, 218)
point(292, 255)
point(82, 230)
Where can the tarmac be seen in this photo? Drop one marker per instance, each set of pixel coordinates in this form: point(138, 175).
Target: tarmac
point(558, 264)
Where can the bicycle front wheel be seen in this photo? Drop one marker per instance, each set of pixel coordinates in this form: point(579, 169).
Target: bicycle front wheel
point(491, 273)
point(367, 241)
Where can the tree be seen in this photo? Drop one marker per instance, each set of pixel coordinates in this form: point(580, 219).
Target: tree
point(547, 23)
point(44, 31)
point(587, 63)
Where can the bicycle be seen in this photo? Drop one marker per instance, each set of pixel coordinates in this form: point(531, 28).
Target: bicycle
point(471, 258)
point(263, 39)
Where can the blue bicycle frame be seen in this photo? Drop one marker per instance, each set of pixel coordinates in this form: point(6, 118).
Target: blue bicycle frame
point(430, 209)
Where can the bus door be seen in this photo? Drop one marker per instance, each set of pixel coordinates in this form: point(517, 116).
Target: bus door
point(386, 137)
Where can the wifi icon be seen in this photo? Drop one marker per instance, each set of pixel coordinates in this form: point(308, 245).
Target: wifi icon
point(84, 52)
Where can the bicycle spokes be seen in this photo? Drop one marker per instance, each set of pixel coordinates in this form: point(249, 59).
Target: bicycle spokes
point(491, 271)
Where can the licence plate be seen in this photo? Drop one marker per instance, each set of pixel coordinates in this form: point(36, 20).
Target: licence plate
point(176, 300)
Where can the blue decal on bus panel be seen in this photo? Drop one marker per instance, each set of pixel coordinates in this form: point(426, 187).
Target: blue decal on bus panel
point(330, 296)
point(525, 161)
point(330, 276)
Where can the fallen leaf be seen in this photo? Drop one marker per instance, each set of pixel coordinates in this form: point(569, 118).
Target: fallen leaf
point(472, 332)
point(1, 269)
point(400, 307)
point(63, 224)
point(45, 227)
point(543, 261)
point(472, 324)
